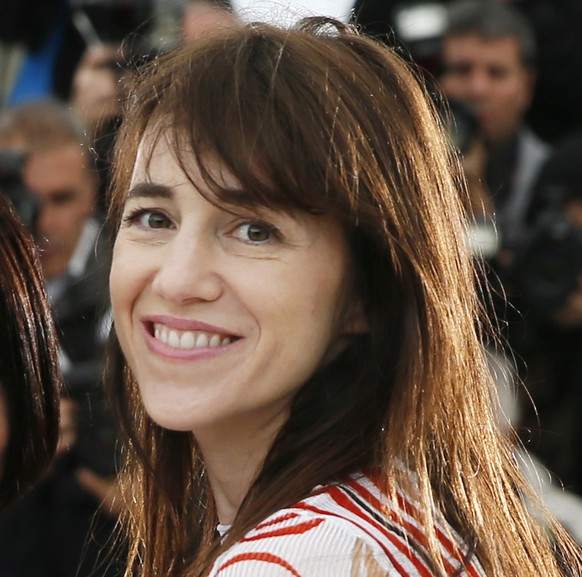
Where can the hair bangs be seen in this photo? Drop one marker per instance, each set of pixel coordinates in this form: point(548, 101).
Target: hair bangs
point(238, 106)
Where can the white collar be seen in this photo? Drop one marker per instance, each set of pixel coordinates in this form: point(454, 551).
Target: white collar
point(222, 528)
point(85, 245)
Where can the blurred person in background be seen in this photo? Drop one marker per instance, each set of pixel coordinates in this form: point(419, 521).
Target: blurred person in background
point(43, 41)
point(488, 58)
point(95, 101)
point(69, 50)
point(53, 185)
point(39, 50)
point(98, 80)
point(488, 55)
point(201, 17)
point(488, 66)
point(547, 272)
point(555, 111)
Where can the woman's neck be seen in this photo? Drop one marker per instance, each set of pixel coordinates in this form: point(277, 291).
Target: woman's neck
point(231, 474)
point(233, 458)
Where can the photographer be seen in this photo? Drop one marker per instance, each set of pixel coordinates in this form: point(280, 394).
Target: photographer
point(488, 54)
point(540, 273)
point(53, 184)
point(547, 276)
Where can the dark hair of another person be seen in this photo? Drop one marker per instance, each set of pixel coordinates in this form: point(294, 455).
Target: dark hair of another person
point(322, 120)
point(29, 371)
point(492, 21)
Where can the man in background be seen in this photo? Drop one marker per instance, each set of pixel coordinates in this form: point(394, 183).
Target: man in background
point(60, 527)
point(58, 191)
point(488, 60)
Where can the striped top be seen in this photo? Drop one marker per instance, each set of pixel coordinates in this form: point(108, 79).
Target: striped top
point(349, 529)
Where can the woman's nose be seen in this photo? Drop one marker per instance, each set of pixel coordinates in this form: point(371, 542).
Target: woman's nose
point(187, 271)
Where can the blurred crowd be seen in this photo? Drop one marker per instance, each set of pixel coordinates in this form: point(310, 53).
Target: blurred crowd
point(507, 76)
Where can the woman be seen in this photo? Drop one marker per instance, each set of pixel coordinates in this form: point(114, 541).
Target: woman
point(29, 374)
point(295, 359)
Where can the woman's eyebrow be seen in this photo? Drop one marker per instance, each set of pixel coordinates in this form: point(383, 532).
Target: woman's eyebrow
point(150, 190)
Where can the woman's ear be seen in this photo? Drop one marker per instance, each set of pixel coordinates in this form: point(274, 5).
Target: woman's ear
point(356, 321)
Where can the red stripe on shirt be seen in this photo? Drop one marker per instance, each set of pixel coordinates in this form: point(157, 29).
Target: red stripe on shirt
point(263, 557)
point(412, 510)
point(291, 530)
point(327, 513)
point(276, 521)
point(344, 501)
point(383, 510)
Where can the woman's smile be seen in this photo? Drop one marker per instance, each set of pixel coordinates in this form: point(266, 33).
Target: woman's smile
point(189, 339)
point(183, 338)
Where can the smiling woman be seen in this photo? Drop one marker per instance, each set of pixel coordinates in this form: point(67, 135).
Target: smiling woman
point(228, 312)
point(29, 374)
point(296, 358)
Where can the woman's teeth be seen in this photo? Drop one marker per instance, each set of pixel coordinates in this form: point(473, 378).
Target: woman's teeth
point(189, 339)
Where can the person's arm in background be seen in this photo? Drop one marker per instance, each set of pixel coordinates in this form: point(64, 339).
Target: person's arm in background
point(95, 88)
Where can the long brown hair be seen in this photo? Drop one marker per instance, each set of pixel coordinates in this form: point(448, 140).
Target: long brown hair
point(323, 120)
point(29, 372)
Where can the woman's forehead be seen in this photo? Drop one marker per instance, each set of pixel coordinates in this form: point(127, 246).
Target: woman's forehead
point(162, 149)
point(239, 179)
point(163, 144)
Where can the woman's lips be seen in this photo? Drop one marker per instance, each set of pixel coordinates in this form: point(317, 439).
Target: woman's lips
point(175, 337)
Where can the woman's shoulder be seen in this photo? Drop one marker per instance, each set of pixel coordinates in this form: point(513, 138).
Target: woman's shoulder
point(342, 529)
point(303, 542)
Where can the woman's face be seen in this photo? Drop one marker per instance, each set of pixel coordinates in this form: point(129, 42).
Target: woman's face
point(222, 317)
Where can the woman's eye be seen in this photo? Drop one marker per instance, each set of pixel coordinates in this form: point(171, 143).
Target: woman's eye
point(254, 232)
point(154, 220)
point(149, 219)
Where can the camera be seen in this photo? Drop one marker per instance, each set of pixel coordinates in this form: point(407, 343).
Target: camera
point(119, 22)
point(462, 126)
point(548, 259)
point(548, 264)
point(113, 20)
